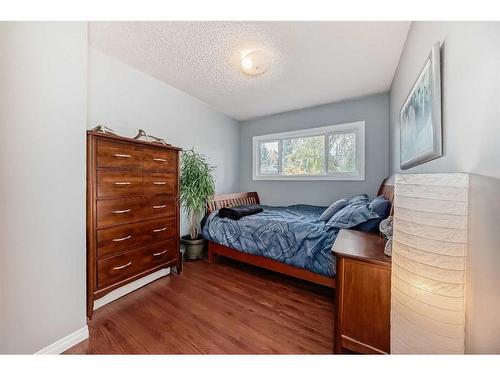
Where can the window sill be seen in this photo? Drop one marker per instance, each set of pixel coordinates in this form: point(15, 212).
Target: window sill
point(310, 178)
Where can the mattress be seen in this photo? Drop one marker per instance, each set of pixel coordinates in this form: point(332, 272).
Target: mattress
point(292, 235)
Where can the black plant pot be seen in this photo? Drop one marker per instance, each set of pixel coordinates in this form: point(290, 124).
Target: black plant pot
point(194, 248)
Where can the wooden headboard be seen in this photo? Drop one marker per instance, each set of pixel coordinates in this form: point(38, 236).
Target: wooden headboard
point(232, 200)
point(387, 190)
point(238, 199)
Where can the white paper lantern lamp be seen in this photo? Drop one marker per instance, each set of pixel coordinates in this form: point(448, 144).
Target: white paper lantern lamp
point(428, 264)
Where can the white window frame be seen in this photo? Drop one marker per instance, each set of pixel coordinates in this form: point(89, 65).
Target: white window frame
point(353, 127)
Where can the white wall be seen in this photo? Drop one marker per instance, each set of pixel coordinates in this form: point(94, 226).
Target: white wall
point(371, 109)
point(126, 99)
point(42, 183)
point(471, 130)
point(483, 275)
point(470, 93)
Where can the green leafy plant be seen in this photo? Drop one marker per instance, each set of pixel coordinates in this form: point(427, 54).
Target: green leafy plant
point(196, 186)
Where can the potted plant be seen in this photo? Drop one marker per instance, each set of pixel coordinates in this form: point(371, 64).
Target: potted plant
point(196, 186)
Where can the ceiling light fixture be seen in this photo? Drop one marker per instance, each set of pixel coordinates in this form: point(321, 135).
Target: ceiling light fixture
point(255, 62)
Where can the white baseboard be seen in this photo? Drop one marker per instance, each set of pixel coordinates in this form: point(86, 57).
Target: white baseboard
point(126, 289)
point(67, 342)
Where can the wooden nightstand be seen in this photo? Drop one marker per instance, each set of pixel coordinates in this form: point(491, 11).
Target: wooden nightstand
point(363, 294)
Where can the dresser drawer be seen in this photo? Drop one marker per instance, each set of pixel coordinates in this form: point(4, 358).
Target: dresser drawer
point(119, 211)
point(366, 306)
point(159, 183)
point(161, 229)
point(120, 267)
point(120, 239)
point(160, 206)
point(160, 160)
point(118, 155)
point(132, 236)
point(119, 183)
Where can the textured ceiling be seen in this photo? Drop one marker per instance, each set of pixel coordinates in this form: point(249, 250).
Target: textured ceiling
point(313, 62)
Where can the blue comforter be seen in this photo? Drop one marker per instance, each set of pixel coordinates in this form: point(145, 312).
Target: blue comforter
point(291, 235)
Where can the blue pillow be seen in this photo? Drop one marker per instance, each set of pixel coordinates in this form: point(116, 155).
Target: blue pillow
point(369, 226)
point(359, 198)
point(381, 206)
point(353, 214)
point(333, 209)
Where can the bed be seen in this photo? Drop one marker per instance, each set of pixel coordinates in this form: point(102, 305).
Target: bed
point(252, 240)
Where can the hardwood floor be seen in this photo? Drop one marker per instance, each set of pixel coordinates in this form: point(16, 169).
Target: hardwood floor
point(221, 308)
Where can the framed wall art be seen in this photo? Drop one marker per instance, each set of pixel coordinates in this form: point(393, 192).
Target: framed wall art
point(420, 117)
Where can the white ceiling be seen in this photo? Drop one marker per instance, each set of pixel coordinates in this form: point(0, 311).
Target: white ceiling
point(313, 62)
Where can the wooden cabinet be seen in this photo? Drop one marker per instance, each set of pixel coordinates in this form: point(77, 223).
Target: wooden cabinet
point(362, 296)
point(132, 211)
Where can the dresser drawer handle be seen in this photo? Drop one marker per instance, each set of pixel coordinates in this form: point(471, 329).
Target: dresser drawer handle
point(158, 254)
point(122, 211)
point(159, 229)
point(160, 160)
point(121, 239)
point(161, 206)
point(122, 156)
point(122, 267)
point(159, 183)
point(122, 183)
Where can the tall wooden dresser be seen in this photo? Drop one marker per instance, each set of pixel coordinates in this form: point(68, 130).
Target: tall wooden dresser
point(132, 211)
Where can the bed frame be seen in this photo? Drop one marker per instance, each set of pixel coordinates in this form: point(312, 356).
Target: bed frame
point(231, 200)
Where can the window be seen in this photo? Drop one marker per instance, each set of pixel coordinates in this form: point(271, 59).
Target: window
point(327, 153)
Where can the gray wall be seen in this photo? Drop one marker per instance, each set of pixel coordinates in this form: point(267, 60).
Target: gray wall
point(471, 131)
point(126, 99)
point(372, 109)
point(42, 173)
